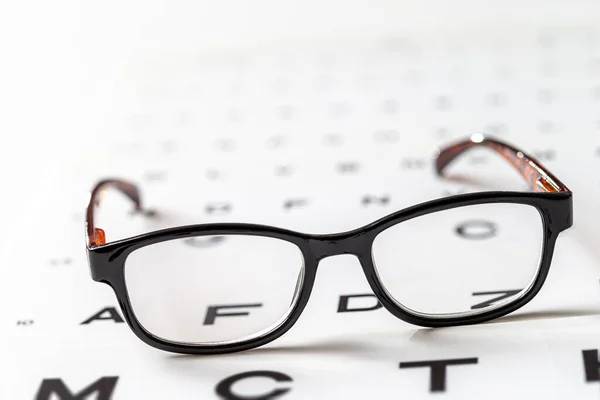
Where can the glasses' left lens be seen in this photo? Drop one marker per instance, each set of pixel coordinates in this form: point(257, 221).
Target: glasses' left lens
point(461, 261)
point(213, 289)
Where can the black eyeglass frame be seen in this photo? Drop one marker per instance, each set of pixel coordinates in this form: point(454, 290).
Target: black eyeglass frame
point(107, 260)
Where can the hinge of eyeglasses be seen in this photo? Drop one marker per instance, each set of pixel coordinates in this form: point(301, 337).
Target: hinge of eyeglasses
point(99, 237)
point(547, 185)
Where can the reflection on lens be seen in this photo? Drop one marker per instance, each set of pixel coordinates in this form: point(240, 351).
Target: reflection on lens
point(211, 289)
point(461, 261)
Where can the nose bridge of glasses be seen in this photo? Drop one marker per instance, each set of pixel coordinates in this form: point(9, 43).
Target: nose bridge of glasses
point(333, 245)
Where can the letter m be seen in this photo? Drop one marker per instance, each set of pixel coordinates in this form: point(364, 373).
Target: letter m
point(102, 389)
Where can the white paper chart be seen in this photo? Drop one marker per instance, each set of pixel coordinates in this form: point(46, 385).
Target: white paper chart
point(319, 139)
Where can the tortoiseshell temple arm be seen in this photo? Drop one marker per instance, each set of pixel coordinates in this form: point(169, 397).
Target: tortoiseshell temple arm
point(96, 236)
point(538, 177)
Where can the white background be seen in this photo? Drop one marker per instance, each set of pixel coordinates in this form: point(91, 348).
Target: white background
point(131, 89)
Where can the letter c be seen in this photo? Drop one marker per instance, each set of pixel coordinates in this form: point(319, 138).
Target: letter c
point(223, 389)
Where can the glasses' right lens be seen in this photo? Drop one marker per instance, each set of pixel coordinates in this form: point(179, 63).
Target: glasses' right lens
point(461, 261)
point(213, 289)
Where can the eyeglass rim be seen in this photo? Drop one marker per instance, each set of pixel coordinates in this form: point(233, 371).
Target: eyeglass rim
point(107, 261)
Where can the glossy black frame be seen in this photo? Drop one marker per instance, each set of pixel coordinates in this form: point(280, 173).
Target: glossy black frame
point(553, 201)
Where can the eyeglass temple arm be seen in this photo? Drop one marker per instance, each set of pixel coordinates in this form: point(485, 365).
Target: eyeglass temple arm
point(536, 175)
point(96, 236)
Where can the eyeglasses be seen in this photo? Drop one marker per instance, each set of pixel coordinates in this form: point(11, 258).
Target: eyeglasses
point(241, 286)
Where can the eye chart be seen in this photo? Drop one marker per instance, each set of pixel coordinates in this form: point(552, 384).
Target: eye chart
point(319, 138)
